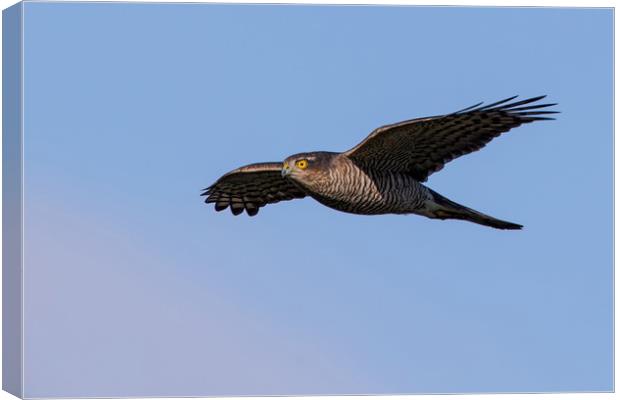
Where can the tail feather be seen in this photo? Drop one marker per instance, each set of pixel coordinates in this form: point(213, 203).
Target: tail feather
point(450, 210)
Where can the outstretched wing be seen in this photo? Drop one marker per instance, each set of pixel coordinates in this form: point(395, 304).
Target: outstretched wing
point(250, 188)
point(422, 146)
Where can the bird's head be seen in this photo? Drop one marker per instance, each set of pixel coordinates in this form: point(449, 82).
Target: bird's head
point(307, 168)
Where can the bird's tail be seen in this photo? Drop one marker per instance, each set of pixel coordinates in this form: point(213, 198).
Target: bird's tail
point(450, 210)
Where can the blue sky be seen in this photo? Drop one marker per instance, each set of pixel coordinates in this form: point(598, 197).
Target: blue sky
point(135, 287)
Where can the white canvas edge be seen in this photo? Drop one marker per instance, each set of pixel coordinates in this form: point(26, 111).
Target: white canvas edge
point(506, 3)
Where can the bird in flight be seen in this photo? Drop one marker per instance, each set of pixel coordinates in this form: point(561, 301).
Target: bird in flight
point(384, 173)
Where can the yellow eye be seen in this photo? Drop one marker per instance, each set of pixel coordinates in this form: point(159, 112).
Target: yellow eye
point(302, 164)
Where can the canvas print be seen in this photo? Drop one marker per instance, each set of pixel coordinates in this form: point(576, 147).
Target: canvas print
point(234, 199)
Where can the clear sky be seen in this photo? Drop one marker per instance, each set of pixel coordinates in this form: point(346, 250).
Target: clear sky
point(135, 287)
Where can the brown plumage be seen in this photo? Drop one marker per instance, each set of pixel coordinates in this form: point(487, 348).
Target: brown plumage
point(252, 187)
point(382, 174)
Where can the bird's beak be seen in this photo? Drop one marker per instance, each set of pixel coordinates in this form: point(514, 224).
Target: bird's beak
point(286, 170)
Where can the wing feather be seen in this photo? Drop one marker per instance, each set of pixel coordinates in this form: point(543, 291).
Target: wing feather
point(251, 187)
point(422, 146)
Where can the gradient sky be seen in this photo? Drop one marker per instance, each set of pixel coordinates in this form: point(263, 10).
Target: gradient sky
point(135, 287)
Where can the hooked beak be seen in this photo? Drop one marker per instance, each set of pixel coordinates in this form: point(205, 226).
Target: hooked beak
point(286, 170)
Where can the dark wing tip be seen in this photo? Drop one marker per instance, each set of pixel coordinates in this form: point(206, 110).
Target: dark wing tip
point(497, 103)
point(532, 119)
point(220, 206)
point(510, 106)
point(207, 191)
point(468, 108)
point(236, 208)
point(501, 105)
point(537, 112)
point(210, 197)
point(523, 109)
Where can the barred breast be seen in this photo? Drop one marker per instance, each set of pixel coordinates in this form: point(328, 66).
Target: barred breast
point(346, 187)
